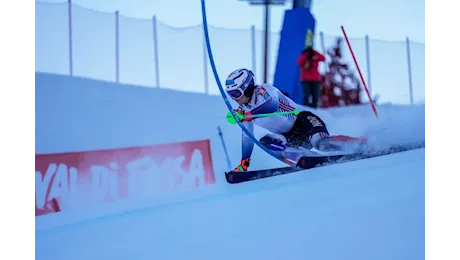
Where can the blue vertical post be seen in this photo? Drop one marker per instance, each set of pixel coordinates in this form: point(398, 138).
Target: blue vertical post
point(117, 47)
point(155, 51)
point(69, 12)
point(225, 148)
point(409, 68)
point(368, 64)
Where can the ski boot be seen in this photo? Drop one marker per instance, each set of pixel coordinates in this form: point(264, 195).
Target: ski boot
point(276, 143)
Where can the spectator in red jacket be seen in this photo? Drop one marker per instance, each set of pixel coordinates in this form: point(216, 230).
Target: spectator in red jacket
point(309, 75)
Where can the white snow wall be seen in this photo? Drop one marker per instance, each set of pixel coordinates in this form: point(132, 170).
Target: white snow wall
point(74, 114)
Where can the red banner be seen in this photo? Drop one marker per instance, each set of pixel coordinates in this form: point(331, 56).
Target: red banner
point(83, 179)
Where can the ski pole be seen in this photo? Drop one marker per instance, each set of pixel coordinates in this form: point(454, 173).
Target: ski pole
point(231, 120)
point(225, 147)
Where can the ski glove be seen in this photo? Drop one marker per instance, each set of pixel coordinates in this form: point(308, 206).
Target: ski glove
point(244, 165)
point(245, 114)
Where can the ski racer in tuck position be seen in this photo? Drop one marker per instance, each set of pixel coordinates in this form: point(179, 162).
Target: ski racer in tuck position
point(305, 130)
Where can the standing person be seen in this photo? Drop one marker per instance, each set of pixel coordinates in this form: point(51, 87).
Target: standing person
point(310, 77)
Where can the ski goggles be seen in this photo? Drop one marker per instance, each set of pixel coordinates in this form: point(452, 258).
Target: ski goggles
point(236, 93)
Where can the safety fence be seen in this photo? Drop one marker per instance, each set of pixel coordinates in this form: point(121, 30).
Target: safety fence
point(73, 40)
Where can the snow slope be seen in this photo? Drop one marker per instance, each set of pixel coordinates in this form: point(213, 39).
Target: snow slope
point(369, 209)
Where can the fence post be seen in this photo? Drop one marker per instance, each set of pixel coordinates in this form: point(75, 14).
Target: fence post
point(368, 64)
point(323, 46)
point(253, 49)
point(155, 51)
point(117, 47)
point(205, 64)
point(69, 12)
point(409, 68)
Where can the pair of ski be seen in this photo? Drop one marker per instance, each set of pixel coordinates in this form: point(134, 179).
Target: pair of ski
point(299, 159)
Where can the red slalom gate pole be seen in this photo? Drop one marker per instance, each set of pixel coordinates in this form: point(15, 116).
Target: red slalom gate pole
point(360, 74)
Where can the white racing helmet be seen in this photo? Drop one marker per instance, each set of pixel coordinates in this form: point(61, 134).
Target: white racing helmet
point(240, 82)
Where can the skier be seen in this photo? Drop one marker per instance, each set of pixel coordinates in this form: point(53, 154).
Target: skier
point(305, 130)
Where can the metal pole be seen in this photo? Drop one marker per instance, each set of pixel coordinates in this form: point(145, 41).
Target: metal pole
point(69, 9)
point(155, 51)
point(323, 46)
point(253, 49)
point(368, 64)
point(205, 65)
point(117, 48)
point(409, 68)
point(266, 25)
